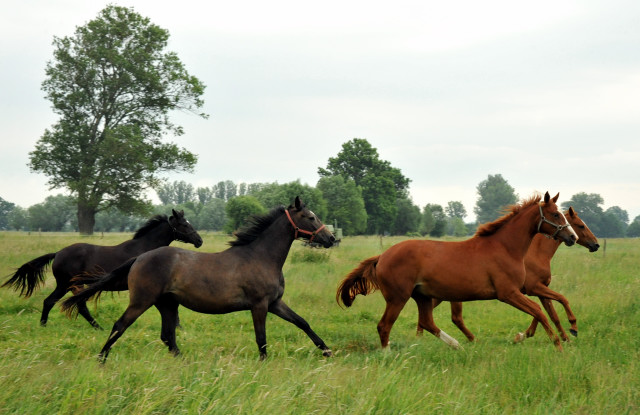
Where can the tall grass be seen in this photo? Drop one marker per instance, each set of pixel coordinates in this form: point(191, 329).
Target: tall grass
point(53, 369)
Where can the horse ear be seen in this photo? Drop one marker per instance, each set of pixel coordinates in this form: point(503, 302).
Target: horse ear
point(546, 197)
point(555, 198)
point(174, 213)
point(572, 212)
point(298, 203)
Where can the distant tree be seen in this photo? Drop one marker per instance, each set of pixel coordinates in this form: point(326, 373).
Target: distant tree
point(52, 215)
point(588, 208)
point(381, 183)
point(5, 209)
point(619, 213)
point(439, 220)
point(113, 86)
point(176, 193)
point(612, 226)
point(242, 189)
point(18, 219)
point(213, 215)
point(408, 217)
point(239, 209)
point(455, 210)
point(427, 221)
point(274, 194)
point(205, 194)
point(633, 230)
point(458, 227)
point(494, 194)
point(344, 204)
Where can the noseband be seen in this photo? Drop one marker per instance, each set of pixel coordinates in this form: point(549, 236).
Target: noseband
point(559, 228)
point(298, 230)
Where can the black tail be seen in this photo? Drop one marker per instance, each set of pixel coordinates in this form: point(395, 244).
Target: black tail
point(105, 282)
point(30, 276)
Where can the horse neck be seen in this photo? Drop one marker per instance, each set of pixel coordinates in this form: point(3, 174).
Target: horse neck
point(517, 234)
point(160, 235)
point(543, 248)
point(275, 241)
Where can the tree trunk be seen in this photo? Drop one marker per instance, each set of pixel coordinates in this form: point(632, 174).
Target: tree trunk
point(86, 219)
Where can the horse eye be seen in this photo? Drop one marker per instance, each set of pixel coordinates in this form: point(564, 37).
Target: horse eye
point(581, 226)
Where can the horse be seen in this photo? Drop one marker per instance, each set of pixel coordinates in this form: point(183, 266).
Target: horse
point(490, 265)
point(81, 258)
point(246, 276)
point(537, 264)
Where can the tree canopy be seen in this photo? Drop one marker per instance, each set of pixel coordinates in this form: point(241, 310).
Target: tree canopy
point(381, 183)
point(113, 86)
point(494, 194)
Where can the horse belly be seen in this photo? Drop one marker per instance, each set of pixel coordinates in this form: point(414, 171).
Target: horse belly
point(450, 285)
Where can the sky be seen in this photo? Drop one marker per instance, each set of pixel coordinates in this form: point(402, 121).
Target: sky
point(545, 93)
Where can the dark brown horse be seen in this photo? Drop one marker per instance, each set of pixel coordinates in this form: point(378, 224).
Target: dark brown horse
point(488, 266)
point(246, 276)
point(82, 258)
point(537, 264)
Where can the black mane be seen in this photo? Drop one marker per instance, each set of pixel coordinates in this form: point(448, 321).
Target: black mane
point(151, 224)
point(256, 224)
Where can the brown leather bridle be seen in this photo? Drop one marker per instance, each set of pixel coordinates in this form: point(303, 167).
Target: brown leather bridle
point(555, 225)
point(298, 230)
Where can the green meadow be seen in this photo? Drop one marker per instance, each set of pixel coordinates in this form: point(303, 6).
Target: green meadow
point(54, 370)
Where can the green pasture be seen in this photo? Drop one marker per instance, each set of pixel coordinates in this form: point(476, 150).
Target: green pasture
point(54, 370)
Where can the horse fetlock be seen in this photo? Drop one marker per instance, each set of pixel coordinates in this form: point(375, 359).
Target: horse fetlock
point(448, 340)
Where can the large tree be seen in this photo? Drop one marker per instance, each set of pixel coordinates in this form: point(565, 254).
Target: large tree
point(113, 86)
point(344, 204)
point(381, 183)
point(494, 194)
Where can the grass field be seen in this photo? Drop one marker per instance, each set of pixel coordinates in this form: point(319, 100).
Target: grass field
point(53, 369)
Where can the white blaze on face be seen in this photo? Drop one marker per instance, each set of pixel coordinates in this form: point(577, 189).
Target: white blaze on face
point(566, 222)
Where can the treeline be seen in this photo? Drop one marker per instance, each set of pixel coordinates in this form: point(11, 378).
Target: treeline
point(357, 190)
point(225, 205)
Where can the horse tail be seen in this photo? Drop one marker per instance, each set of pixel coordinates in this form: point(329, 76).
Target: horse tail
point(30, 275)
point(362, 280)
point(97, 284)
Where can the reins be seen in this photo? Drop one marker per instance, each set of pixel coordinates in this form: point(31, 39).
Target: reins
point(559, 228)
point(298, 230)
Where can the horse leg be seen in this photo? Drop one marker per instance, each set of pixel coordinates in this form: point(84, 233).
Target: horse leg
point(456, 318)
point(419, 302)
point(84, 312)
point(130, 315)
point(259, 315)
point(522, 303)
point(425, 318)
point(168, 309)
point(391, 313)
point(50, 301)
point(280, 309)
point(551, 312)
point(543, 291)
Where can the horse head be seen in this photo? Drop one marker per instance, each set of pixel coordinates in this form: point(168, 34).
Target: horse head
point(554, 222)
point(585, 237)
point(307, 225)
point(183, 231)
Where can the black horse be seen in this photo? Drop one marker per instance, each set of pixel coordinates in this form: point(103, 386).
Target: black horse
point(82, 258)
point(246, 276)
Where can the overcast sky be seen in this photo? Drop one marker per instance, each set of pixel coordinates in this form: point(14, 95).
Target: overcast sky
point(546, 93)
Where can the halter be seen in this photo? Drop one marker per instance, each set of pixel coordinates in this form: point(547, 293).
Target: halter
point(555, 225)
point(298, 230)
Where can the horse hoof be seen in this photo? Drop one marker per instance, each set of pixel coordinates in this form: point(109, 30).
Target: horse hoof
point(573, 332)
point(519, 337)
point(43, 323)
point(327, 353)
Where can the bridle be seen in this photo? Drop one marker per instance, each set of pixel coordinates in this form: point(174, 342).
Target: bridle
point(177, 235)
point(559, 228)
point(298, 230)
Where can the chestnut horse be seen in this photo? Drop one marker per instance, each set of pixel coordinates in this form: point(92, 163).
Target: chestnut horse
point(488, 266)
point(246, 276)
point(79, 258)
point(537, 264)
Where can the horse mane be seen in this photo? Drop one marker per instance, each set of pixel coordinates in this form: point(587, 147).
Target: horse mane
point(256, 224)
point(151, 224)
point(490, 228)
